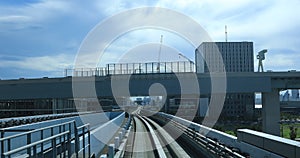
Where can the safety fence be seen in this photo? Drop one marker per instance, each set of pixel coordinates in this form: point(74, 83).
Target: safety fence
point(63, 140)
point(133, 68)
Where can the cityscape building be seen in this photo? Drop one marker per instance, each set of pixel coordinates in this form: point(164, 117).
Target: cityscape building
point(234, 57)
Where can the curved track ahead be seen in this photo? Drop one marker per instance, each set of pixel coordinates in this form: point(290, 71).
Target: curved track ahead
point(151, 137)
point(149, 140)
point(143, 141)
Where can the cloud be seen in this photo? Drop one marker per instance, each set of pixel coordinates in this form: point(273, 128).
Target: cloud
point(14, 19)
point(40, 63)
point(12, 23)
point(282, 62)
point(37, 11)
point(249, 18)
point(46, 28)
point(269, 24)
point(149, 40)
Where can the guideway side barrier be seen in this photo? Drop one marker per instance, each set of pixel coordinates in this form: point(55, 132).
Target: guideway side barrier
point(218, 137)
point(118, 148)
point(102, 135)
point(84, 136)
point(49, 141)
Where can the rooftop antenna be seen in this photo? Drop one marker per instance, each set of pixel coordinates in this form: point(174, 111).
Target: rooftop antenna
point(226, 33)
point(159, 52)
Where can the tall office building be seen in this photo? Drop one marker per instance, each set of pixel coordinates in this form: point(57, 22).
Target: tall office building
point(237, 57)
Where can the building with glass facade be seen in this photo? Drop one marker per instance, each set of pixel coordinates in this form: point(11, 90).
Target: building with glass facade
point(233, 57)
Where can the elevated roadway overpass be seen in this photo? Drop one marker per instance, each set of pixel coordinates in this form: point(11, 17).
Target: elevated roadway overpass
point(269, 84)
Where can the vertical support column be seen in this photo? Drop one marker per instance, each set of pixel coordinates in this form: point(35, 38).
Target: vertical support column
point(111, 150)
point(2, 144)
point(146, 65)
point(107, 65)
point(117, 142)
point(165, 67)
point(271, 112)
point(167, 104)
point(54, 106)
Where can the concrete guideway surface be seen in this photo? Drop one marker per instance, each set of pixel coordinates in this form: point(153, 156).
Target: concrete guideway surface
point(151, 140)
point(142, 142)
point(146, 142)
point(168, 140)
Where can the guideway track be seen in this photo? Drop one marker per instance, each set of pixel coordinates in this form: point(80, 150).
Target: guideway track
point(150, 140)
point(146, 143)
point(196, 141)
point(159, 140)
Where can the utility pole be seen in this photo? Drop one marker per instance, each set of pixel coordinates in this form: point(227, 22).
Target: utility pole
point(181, 55)
point(226, 39)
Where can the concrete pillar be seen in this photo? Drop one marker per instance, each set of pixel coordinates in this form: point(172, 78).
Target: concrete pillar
point(111, 150)
point(167, 105)
point(54, 106)
point(271, 112)
point(117, 142)
point(123, 132)
point(120, 136)
point(203, 107)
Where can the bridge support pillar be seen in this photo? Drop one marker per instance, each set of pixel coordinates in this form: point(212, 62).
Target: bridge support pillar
point(54, 106)
point(167, 104)
point(271, 112)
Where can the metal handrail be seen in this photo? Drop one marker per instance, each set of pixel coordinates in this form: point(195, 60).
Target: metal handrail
point(30, 133)
point(134, 68)
point(35, 143)
point(79, 132)
point(85, 125)
point(84, 146)
point(16, 130)
point(35, 130)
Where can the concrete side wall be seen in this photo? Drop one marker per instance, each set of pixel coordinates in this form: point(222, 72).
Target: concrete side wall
point(271, 112)
point(103, 134)
point(281, 146)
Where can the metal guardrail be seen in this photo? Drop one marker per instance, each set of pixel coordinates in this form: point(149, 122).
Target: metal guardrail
point(65, 145)
point(81, 132)
point(133, 68)
point(212, 145)
point(58, 143)
point(15, 121)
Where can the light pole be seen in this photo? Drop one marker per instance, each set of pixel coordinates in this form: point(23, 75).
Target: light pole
point(192, 64)
point(181, 55)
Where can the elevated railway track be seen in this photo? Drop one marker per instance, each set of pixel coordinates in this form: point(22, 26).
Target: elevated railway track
point(152, 138)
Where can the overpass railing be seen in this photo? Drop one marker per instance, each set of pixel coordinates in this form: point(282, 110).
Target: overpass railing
point(33, 146)
point(64, 140)
point(133, 68)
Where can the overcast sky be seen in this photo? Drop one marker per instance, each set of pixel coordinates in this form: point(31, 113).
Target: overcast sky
point(41, 37)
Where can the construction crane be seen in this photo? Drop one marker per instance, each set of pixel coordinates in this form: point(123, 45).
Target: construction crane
point(261, 57)
point(159, 52)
